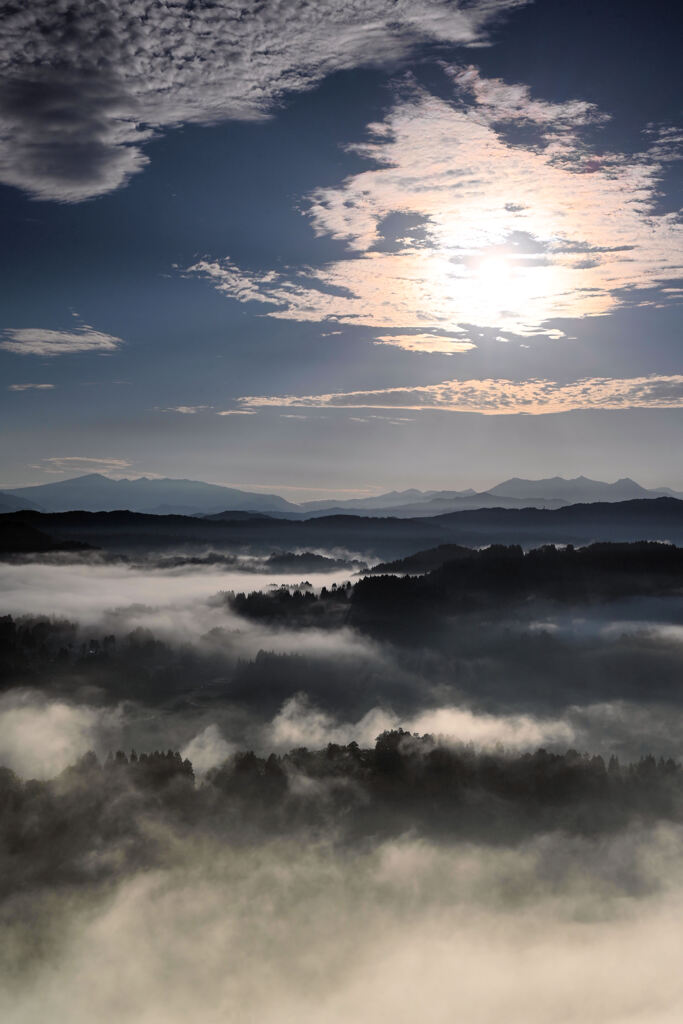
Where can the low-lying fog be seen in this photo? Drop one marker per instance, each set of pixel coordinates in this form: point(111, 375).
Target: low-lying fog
point(556, 929)
point(86, 590)
point(179, 917)
point(187, 671)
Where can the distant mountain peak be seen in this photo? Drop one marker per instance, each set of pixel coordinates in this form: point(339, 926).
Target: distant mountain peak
point(577, 489)
point(96, 492)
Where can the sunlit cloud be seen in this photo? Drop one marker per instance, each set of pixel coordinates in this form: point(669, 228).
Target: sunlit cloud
point(498, 397)
point(426, 343)
point(39, 341)
point(82, 96)
point(30, 387)
point(499, 102)
point(522, 224)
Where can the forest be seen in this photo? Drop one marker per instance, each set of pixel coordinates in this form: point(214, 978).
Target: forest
point(51, 831)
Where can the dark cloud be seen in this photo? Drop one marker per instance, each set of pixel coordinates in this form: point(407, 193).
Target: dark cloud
point(86, 84)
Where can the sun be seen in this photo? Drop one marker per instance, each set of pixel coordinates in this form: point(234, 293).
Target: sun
point(496, 288)
point(494, 272)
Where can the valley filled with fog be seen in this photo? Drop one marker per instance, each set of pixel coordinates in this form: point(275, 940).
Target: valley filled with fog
point(259, 793)
point(140, 649)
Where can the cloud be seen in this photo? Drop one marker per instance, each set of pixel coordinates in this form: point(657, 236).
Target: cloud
point(86, 86)
point(30, 387)
point(40, 737)
point(396, 421)
point(187, 410)
point(626, 727)
point(499, 102)
point(207, 748)
point(236, 412)
point(176, 601)
point(426, 343)
point(299, 723)
point(38, 341)
point(64, 463)
point(521, 223)
point(498, 397)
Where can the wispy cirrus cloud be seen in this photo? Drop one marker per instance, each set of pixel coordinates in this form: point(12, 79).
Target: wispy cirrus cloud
point(86, 85)
point(521, 222)
point(83, 463)
point(497, 397)
point(30, 387)
point(40, 341)
point(187, 410)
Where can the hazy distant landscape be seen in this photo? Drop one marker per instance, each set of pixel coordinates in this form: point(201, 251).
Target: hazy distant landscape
point(96, 493)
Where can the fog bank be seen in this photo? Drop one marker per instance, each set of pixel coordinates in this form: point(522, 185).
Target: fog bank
point(574, 931)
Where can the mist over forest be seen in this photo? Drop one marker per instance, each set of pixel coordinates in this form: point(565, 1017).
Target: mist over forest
point(342, 779)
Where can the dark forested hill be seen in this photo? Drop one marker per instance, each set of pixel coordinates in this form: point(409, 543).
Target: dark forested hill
point(409, 606)
point(501, 575)
point(382, 538)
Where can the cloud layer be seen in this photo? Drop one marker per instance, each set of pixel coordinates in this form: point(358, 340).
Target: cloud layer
point(498, 397)
point(87, 84)
point(83, 464)
point(519, 222)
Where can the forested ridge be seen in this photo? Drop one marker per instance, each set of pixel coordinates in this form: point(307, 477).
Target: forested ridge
point(96, 816)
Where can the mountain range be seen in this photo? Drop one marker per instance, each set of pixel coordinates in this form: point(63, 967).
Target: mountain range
point(97, 493)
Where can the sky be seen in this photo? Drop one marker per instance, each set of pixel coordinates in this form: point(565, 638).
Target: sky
point(339, 248)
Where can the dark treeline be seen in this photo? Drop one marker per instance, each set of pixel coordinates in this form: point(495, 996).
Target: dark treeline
point(471, 580)
point(489, 665)
point(98, 818)
point(500, 575)
point(17, 537)
point(62, 658)
point(387, 538)
point(328, 609)
point(417, 782)
point(60, 655)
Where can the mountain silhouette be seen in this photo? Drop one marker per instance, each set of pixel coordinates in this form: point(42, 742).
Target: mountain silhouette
point(97, 493)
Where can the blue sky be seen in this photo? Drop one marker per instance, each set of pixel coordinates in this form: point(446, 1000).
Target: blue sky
point(341, 248)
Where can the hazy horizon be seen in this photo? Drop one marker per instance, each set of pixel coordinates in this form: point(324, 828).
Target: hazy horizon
point(296, 494)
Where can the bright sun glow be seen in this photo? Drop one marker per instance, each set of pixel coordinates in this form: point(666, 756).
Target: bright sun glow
point(496, 288)
point(494, 271)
